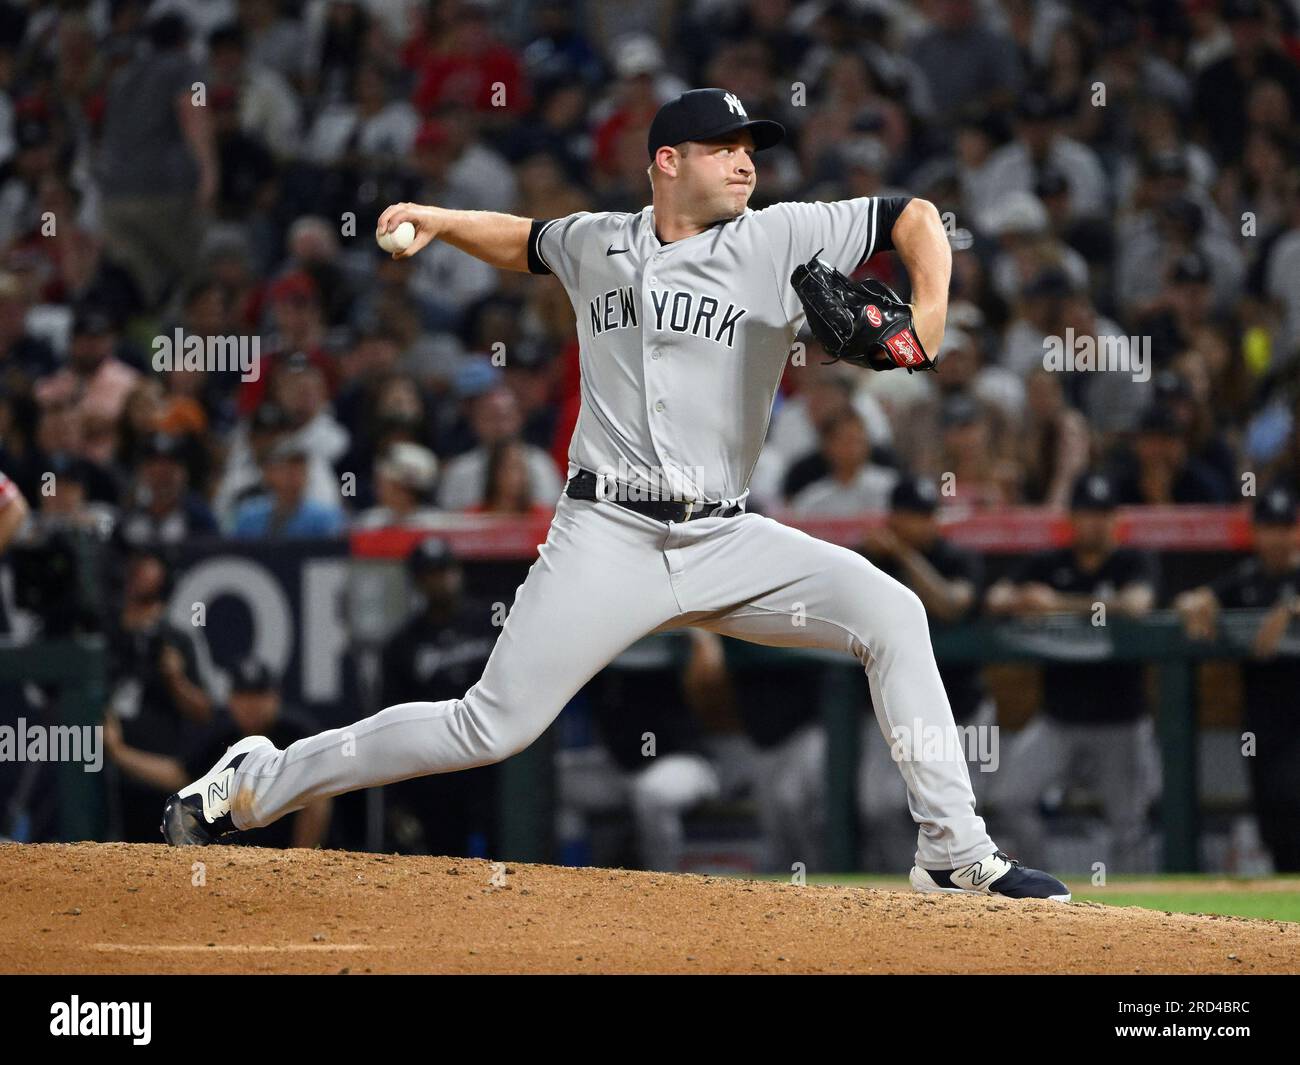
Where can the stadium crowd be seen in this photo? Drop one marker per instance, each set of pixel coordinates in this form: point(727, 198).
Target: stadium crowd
point(1119, 173)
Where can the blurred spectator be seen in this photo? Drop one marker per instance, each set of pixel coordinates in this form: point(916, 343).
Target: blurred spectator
point(154, 691)
point(300, 390)
point(559, 53)
point(94, 382)
point(439, 653)
point(1160, 469)
point(1022, 226)
point(530, 373)
point(975, 471)
point(507, 489)
point(1056, 443)
point(1094, 725)
point(21, 178)
point(1039, 142)
point(853, 483)
point(247, 185)
point(1186, 390)
point(964, 61)
point(262, 97)
point(792, 457)
point(1156, 241)
point(13, 512)
point(162, 507)
point(950, 583)
point(1039, 313)
point(65, 500)
point(1268, 581)
point(1281, 266)
point(998, 395)
point(1165, 153)
point(23, 357)
point(340, 34)
point(298, 328)
point(158, 162)
point(494, 416)
point(642, 86)
point(376, 127)
point(273, 39)
point(463, 64)
point(253, 440)
point(285, 511)
point(404, 480)
point(313, 247)
point(1222, 86)
point(254, 709)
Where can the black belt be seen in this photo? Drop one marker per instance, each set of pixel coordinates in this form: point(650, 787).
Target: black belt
point(583, 486)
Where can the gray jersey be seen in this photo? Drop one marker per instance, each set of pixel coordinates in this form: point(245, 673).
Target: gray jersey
point(683, 344)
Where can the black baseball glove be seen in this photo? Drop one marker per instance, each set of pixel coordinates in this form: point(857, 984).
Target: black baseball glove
point(862, 322)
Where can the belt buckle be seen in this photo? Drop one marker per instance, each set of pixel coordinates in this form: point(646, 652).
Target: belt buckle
point(603, 495)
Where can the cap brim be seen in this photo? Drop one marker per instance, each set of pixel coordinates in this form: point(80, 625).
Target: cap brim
point(766, 133)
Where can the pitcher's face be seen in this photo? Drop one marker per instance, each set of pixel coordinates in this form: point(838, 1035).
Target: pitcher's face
point(718, 176)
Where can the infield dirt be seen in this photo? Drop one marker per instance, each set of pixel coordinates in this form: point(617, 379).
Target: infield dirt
point(130, 908)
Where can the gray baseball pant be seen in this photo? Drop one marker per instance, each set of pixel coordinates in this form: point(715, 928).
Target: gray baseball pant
point(607, 576)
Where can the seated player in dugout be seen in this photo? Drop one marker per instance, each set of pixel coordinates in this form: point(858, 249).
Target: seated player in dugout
point(687, 311)
point(1094, 728)
point(254, 708)
point(1267, 581)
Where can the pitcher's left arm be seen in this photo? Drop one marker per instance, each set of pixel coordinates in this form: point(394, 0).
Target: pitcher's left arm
point(922, 243)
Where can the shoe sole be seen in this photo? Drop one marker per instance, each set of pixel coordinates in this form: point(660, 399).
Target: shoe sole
point(922, 884)
point(175, 825)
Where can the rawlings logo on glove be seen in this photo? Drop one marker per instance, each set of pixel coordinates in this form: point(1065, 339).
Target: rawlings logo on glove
point(862, 322)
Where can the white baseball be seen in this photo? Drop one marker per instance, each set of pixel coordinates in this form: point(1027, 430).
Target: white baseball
point(398, 239)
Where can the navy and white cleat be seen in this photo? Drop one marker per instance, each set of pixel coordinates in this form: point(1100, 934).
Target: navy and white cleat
point(200, 813)
point(998, 874)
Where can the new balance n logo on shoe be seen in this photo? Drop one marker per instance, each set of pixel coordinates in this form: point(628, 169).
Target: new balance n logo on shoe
point(219, 794)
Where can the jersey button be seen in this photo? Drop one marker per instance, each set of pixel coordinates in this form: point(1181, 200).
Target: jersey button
point(656, 353)
point(659, 407)
point(654, 281)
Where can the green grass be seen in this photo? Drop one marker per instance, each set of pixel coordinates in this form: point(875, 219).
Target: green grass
point(1266, 905)
point(1273, 899)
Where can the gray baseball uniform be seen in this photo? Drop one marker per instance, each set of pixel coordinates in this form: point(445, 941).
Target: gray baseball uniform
point(682, 350)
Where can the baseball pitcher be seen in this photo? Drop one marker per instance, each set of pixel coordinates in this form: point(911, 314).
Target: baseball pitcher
point(686, 311)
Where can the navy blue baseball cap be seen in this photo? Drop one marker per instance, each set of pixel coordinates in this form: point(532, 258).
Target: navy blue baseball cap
point(252, 675)
point(1093, 491)
point(1277, 506)
point(702, 114)
point(914, 495)
point(430, 554)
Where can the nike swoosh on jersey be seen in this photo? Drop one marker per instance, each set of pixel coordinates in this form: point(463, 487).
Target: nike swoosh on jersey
point(611, 250)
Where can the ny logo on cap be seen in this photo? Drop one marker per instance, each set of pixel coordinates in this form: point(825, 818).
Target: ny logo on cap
point(734, 105)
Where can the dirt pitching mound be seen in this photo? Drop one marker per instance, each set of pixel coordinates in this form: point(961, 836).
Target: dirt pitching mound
point(124, 908)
